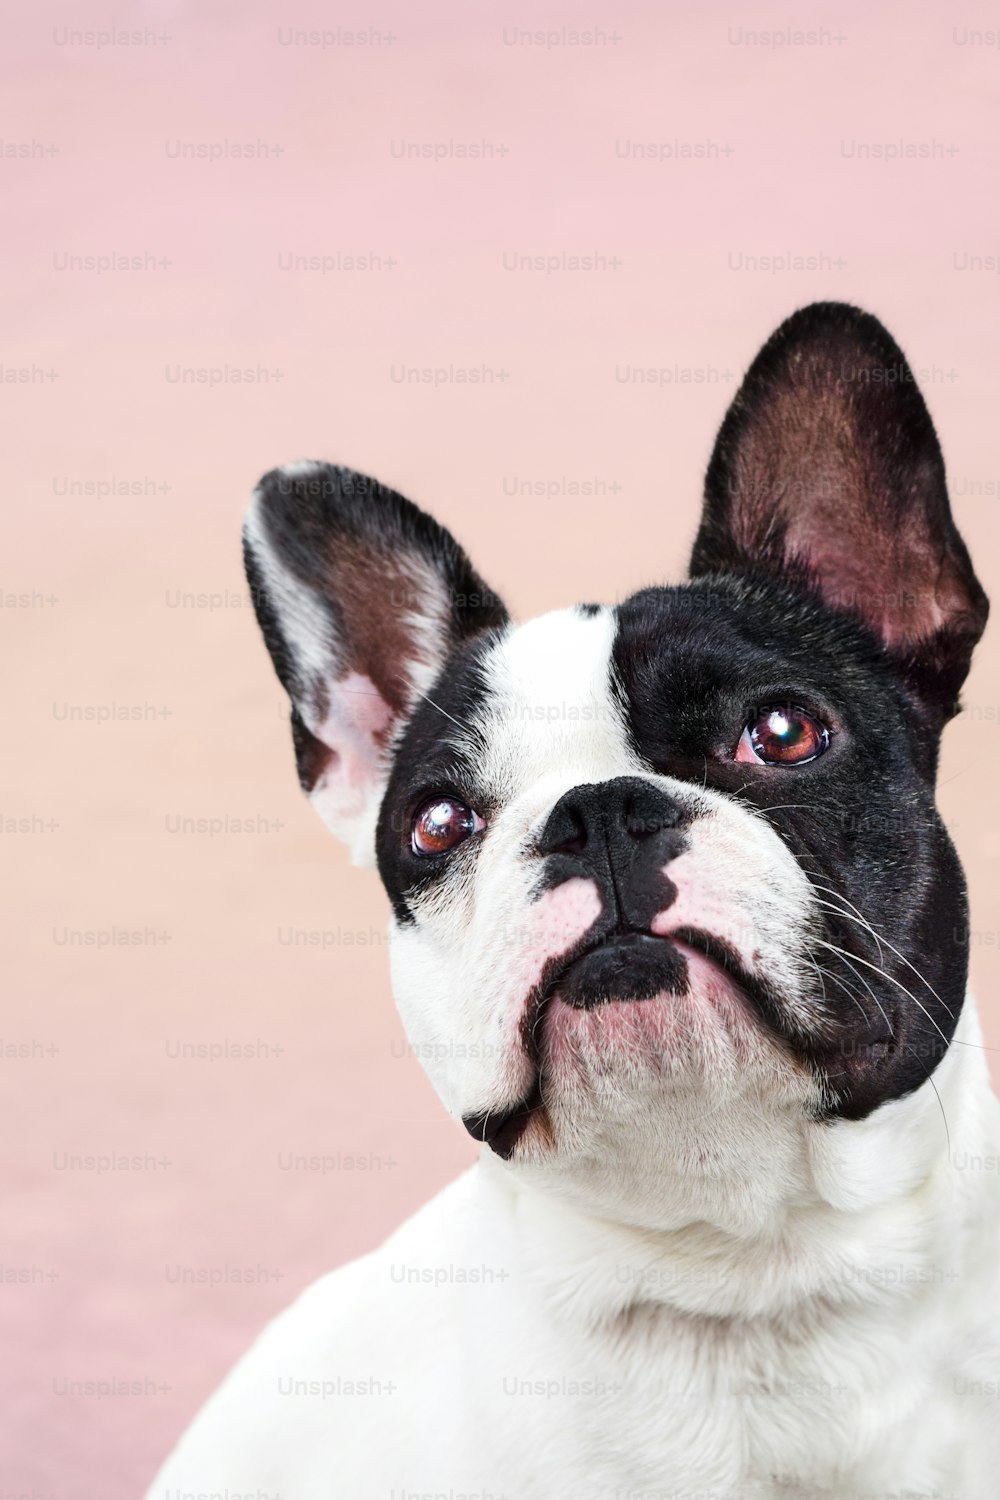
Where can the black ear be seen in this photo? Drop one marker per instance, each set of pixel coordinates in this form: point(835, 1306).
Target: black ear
point(827, 471)
point(361, 598)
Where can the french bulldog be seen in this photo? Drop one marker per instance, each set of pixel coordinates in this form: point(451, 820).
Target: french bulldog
point(679, 928)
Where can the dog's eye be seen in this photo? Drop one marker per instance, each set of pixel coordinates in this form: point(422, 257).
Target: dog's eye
point(784, 736)
point(442, 824)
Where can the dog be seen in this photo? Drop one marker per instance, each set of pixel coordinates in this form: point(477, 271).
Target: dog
point(681, 933)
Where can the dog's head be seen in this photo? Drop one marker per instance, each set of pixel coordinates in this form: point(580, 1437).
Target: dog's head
point(667, 877)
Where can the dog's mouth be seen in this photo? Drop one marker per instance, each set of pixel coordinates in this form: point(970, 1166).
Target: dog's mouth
point(620, 966)
point(623, 965)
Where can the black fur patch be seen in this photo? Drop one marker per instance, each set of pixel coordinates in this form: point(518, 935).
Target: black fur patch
point(433, 759)
point(695, 664)
point(828, 465)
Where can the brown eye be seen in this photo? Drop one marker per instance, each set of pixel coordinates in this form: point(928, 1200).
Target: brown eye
point(442, 824)
point(784, 736)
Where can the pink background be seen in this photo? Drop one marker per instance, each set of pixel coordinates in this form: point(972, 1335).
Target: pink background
point(105, 1263)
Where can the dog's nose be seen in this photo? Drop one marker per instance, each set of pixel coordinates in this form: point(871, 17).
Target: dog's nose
point(621, 834)
point(621, 838)
point(593, 818)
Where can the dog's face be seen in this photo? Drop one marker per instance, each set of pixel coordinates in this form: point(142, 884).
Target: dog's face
point(668, 879)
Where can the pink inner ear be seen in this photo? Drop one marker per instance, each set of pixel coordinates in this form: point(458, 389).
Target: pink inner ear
point(355, 730)
point(364, 705)
point(902, 593)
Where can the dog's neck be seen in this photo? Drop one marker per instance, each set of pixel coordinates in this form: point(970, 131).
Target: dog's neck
point(877, 1208)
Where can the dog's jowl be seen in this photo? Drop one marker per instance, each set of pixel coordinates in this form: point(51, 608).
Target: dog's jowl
point(677, 921)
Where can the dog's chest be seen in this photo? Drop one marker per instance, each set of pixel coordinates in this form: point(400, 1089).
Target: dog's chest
point(671, 1406)
point(480, 1377)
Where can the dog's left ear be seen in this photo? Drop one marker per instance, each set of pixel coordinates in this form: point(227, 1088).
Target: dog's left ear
point(361, 598)
point(827, 472)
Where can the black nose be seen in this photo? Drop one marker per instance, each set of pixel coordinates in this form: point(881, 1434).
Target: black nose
point(601, 820)
point(622, 834)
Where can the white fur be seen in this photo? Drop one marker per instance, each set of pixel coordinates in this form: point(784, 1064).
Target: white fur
point(538, 1352)
point(304, 621)
point(698, 1290)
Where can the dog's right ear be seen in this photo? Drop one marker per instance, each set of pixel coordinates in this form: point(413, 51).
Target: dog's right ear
point(361, 598)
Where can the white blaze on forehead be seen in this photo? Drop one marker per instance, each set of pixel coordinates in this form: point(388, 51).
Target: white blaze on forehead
point(551, 706)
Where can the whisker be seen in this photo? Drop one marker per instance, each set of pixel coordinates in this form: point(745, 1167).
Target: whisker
point(847, 960)
point(788, 807)
point(820, 972)
point(839, 896)
point(845, 987)
point(898, 985)
point(837, 912)
point(901, 956)
point(956, 1041)
point(930, 1080)
point(428, 699)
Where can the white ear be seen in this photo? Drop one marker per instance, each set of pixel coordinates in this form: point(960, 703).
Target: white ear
point(361, 599)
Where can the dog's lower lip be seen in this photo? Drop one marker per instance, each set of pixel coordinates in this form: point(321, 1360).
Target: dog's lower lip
point(684, 941)
point(758, 995)
point(625, 966)
point(689, 943)
point(502, 1129)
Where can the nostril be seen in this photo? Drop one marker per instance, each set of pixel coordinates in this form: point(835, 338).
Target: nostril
point(642, 820)
point(570, 846)
point(565, 832)
point(595, 816)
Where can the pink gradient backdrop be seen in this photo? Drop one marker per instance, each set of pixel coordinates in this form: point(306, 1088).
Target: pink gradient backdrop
point(104, 573)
